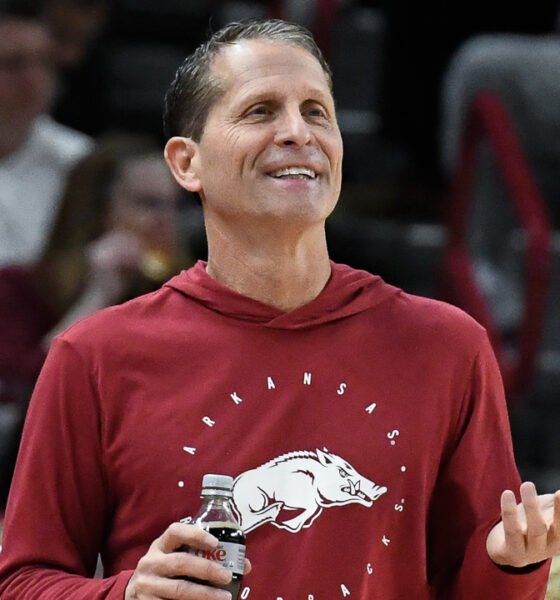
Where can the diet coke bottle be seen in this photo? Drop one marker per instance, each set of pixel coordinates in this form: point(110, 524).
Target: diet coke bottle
point(217, 516)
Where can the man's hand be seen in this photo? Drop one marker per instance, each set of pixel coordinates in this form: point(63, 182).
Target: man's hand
point(155, 577)
point(529, 532)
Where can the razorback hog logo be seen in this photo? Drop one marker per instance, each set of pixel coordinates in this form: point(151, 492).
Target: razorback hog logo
point(291, 491)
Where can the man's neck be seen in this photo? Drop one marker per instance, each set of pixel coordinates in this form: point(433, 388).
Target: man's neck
point(284, 275)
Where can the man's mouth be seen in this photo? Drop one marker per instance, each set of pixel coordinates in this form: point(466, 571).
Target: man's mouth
point(294, 173)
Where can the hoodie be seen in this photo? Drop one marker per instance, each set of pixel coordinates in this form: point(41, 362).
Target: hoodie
point(366, 432)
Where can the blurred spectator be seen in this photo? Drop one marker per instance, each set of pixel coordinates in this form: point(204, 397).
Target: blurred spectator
point(74, 25)
point(35, 152)
point(115, 237)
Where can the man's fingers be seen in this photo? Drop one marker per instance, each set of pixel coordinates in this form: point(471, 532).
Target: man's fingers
point(173, 589)
point(249, 567)
point(555, 527)
point(557, 510)
point(537, 530)
point(187, 589)
point(181, 534)
point(513, 528)
point(182, 563)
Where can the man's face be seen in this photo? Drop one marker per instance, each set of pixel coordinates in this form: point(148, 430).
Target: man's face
point(26, 72)
point(271, 148)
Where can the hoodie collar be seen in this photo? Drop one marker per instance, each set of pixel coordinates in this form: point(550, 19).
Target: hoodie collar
point(349, 291)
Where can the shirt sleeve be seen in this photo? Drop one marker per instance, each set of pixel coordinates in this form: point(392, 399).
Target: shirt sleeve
point(59, 503)
point(466, 501)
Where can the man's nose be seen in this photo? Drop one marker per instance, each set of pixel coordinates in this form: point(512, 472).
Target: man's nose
point(292, 129)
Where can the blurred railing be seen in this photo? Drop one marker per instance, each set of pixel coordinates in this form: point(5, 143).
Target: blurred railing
point(489, 122)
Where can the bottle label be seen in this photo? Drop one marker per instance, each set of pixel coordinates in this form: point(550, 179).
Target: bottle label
point(231, 556)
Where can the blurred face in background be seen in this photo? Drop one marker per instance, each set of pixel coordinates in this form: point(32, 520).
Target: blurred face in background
point(27, 77)
point(74, 25)
point(145, 202)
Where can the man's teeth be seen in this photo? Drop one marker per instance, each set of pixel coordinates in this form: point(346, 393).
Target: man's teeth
point(295, 171)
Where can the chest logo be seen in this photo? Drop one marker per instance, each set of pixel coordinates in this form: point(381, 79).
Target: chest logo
point(292, 490)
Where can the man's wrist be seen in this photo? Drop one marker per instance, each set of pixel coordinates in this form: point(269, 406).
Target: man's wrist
point(521, 570)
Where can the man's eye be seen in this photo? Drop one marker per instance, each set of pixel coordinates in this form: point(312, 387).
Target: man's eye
point(259, 110)
point(317, 113)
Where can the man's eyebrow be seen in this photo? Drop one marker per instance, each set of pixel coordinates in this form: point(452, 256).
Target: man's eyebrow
point(318, 95)
point(255, 97)
point(308, 95)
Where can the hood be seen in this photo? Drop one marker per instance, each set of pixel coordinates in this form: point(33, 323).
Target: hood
point(348, 292)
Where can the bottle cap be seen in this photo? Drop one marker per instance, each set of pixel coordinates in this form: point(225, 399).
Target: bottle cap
point(217, 484)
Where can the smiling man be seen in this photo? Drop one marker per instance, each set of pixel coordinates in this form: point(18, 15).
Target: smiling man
point(267, 167)
point(365, 428)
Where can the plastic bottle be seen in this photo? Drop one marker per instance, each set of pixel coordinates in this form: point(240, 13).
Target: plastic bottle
point(217, 516)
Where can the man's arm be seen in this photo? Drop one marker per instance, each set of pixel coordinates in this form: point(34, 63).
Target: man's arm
point(61, 504)
point(465, 505)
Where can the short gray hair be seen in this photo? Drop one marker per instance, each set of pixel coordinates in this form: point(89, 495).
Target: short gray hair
point(194, 88)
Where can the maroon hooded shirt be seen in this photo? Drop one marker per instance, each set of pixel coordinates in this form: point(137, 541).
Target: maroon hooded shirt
point(366, 431)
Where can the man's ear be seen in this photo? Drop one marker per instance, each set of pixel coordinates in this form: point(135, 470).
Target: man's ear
point(181, 154)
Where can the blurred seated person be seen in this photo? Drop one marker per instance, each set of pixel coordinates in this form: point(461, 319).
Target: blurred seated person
point(36, 153)
point(115, 237)
point(75, 25)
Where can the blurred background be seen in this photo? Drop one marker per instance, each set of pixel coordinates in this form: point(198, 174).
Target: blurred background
point(450, 114)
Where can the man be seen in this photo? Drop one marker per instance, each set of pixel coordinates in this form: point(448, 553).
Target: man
point(35, 151)
point(365, 428)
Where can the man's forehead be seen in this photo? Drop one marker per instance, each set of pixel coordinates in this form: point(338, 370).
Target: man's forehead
point(255, 57)
point(252, 69)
